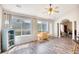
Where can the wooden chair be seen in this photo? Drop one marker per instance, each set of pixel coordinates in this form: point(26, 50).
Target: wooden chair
point(76, 47)
point(42, 36)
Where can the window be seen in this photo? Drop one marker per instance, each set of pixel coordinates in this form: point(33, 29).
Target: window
point(42, 26)
point(21, 26)
point(16, 25)
point(26, 27)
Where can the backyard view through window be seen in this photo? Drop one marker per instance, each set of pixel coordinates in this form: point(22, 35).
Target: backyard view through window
point(21, 26)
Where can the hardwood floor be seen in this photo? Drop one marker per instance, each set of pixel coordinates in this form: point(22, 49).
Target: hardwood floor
point(52, 46)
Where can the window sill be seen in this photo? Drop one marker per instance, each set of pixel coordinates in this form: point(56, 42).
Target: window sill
point(23, 35)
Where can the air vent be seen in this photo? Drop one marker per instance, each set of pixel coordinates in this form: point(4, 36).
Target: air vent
point(18, 6)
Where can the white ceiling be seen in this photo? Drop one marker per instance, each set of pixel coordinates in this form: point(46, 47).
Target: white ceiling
point(40, 9)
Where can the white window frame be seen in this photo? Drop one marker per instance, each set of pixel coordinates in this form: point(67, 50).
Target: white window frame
point(26, 20)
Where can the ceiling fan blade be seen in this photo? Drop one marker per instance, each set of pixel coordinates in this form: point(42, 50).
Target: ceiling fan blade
point(56, 11)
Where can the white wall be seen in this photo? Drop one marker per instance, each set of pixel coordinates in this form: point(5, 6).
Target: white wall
point(77, 29)
point(24, 39)
point(51, 28)
point(55, 29)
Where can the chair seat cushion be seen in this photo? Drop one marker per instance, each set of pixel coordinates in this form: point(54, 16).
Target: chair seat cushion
point(42, 35)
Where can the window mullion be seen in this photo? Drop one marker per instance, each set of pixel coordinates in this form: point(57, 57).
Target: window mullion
point(21, 28)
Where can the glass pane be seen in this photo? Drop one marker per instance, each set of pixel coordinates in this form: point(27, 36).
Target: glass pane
point(26, 28)
point(16, 25)
point(21, 26)
point(39, 27)
point(42, 26)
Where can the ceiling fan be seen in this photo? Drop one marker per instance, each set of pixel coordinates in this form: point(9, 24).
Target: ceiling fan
point(52, 9)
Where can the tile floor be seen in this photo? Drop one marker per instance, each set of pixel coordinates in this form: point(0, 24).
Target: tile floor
point(52, 46)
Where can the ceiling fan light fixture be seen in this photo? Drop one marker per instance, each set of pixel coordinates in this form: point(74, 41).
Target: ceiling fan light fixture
point(51, 9)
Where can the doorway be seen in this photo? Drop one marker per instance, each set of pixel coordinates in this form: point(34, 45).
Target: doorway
point(66, 28)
